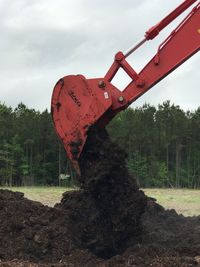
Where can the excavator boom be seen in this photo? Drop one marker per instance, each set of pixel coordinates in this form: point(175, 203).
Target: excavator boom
point(79, 103)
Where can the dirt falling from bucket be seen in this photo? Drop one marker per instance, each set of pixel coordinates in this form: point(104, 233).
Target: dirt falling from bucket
point(107, 210)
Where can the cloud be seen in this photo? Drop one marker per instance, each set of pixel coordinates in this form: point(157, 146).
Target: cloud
point(42, 41)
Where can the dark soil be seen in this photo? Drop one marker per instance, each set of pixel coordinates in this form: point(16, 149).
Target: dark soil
point(108, 222)
point(110, 205)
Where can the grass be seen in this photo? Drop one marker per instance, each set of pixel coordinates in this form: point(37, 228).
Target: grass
point(184, 201)
point(44, 194)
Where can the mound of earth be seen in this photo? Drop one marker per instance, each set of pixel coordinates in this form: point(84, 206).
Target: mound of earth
point(31, 231)
point(35, 235)
point(108, 222)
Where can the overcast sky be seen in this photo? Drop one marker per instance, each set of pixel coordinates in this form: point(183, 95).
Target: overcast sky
point(44, 40)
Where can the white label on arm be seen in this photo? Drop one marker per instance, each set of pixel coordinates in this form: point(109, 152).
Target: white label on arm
point(106, 95)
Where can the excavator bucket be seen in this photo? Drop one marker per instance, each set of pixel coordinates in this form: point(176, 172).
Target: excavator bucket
point(77, 104)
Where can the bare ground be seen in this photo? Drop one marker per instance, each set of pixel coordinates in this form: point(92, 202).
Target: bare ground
point(108, 222)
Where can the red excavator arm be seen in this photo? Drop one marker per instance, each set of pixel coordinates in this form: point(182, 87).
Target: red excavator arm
point(79, 103)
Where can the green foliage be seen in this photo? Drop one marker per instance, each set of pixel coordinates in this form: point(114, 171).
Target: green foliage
point(137, 166)
point(162, 146)
point(29, 148)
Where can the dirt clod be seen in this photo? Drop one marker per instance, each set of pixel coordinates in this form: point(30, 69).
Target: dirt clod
point(108, 222)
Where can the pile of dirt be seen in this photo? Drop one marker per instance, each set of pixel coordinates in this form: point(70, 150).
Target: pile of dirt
point(31, 231)
point(108, 222)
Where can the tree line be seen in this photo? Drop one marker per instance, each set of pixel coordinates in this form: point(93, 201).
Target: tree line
point(30, 153)
point(162, 145)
